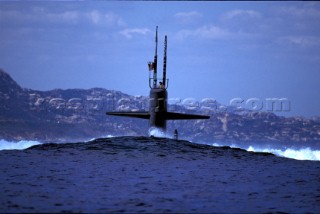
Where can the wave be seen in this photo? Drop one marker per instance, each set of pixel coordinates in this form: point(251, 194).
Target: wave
point(24, 144)
point(292, 153)
point(104, 136)
point(20, 145)
point(156, 132)
point(298, 154)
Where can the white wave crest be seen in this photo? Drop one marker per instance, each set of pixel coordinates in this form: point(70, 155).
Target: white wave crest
point(156, 132)
point(23, 144)
point(298, 154)
point(103, 136)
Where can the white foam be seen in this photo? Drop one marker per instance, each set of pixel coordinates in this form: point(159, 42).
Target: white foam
point(156, 132)
point(297, 154)
point(104, 136)
point(109, 136)
point(23, 144)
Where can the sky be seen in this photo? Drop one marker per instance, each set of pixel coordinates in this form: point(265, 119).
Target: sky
point(218, 50)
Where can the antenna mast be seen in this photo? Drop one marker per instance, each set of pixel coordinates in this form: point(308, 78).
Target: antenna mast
point(165, 62)
point(155, 62)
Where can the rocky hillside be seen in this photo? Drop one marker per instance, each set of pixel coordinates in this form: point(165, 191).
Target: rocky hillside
point(77, 114)
point(64, 114)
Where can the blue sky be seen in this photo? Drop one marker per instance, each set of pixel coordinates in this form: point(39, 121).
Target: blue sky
point(219, 50)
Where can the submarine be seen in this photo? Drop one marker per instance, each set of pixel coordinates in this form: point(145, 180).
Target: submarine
point(158, 98)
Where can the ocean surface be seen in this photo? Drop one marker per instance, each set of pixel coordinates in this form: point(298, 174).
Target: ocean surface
point(144, 174)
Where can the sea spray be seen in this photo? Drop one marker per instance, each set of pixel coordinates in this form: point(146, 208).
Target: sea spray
point(23, 144)
point(104, 136)
point(298, 154)
point(156, 132)
point(293, 153)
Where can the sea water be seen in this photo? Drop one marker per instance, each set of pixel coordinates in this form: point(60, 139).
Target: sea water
point(142, 174)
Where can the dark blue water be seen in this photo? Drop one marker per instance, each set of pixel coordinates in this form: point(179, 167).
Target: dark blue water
point(141, 174)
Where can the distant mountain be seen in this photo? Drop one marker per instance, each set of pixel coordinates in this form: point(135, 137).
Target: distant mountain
point(62, 115)
point(78, 114)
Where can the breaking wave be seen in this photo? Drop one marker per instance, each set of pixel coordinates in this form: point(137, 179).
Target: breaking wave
point(23, 144)
point(293, 153)
point(297, 154)
point(104, 136)
point(156, 132)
